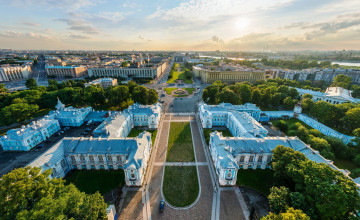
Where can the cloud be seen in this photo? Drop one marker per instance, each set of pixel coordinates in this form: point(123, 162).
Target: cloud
point(217, 39)
point(28, 23)
point(79, 36)
point(76, 23)
point(141, 37)
point(15, 34)
point(67, 5)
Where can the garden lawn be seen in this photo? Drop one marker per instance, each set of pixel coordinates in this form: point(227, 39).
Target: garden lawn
point(180, 146)
point(207, 131)
point(190, 90)
point(170, 90)
point(261, 180)
point(180, 186)
point(135, 132)
point(90, 181)
point(345, 164)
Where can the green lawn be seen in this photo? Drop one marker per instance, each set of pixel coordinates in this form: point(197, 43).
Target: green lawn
point(345, 164)
point(90, 181)
point(207, 131)
point(135, 132)
point(179, 75)
point(190, 90)
point(170, 90)
point(261, 180)
point(180, 146)
point(180, 186)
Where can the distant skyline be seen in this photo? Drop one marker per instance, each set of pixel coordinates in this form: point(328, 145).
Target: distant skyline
point(197, 25)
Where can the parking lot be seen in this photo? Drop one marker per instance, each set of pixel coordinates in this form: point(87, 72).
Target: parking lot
point(10, 160)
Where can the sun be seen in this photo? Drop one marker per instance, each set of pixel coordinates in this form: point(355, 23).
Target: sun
point(242, 23)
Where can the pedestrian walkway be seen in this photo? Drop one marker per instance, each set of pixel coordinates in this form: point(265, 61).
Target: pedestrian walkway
point(181, 164)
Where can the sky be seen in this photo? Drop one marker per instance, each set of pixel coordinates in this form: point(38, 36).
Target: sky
point(181, 25)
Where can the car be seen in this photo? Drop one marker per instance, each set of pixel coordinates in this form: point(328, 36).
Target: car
point(162, 206)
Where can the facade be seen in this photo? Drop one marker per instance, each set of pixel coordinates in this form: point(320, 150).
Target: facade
point(209, 76)
point(9, 73)
point(73, 117)
point(27, 137)
point(180, 58)
point(103, 82)
point(129, 154)
point(333, 95)
point(326, 75)
point(214, 115)
point(249, 148)
point(145, 115)
point(232, 153)
point(154, 71)
point(62, 71)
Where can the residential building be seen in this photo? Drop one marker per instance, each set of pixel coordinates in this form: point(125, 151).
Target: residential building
point(129, 154)
point(11, 72)
point(66, 71)
point(211, 74)
point(333, 95)
point(180, 58)
point(103, 82)
point(27, 137)
point(149, 71)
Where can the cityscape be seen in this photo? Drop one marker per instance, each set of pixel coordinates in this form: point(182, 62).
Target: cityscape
point(190, 109)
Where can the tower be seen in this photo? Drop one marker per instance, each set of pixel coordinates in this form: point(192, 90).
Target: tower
point(297, 109)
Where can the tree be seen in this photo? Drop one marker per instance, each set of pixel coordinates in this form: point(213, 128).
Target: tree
point(33, 195)
point(31, 83)
point(3, 89)
point(290, 214)
point(18, 112)
point(153, 97)
point(307, 96)
point(289, 103)
point(356, 132)
point(257, 97)
point(279, 199)
point(307, 104)
point(357, 160)
point(352, 119)
point(293, 93)
point(266, 97)
point(323, 111)
point(276, 99)
point(140, 94)
point(94, 95)
point(245, 93)
point(117, 94)
point(342, 80)
point(229, 96)
point(321, 145)
point(302, 133)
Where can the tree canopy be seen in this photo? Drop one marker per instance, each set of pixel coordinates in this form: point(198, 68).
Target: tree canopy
point(31, 194)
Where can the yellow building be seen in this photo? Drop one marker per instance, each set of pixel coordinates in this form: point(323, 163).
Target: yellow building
point(210, 76)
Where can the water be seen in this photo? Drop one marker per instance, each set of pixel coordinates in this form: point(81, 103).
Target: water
point(346, 63)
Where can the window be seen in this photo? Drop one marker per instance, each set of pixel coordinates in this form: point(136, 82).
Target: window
point(91, 159)
point(132, 175)
point(109, 158)
point(251, 159)
point(269, 159)
point(73, 159)
point(63, 165)
point(242, 158)
point(260, 158)
point(53, 173)
point(82, 159)
point(229, 174)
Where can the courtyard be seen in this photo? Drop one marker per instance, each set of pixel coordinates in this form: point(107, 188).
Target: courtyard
point(91, 181)
point(179, 76)
point(180, 146)
point(135, 132)
point(180, 185)
point(259, 179)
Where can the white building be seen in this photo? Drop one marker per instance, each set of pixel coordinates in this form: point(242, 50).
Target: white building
point(154, 71)
point(9, 73)
point(333, 95)
point(27, 137)
point(62, 71)
point(103, 82)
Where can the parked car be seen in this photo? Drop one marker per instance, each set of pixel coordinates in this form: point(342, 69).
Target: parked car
point(162, 206)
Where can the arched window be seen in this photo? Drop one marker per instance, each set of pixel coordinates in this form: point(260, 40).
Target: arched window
point(132, 175)
point(228, 175)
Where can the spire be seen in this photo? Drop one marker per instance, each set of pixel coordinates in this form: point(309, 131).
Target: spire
point(59, 105)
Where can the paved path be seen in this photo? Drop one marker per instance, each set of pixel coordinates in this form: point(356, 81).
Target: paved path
point(214, 202)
